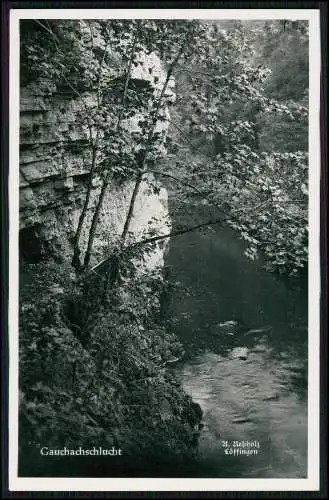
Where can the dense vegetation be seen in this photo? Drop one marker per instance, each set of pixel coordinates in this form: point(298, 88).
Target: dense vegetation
point(237, 144)
point(244, 115)
point(97, 379)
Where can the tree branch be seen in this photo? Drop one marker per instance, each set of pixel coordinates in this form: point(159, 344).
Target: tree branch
point(125, 90)
point(100, 72)
point(91, 35)
point(185, 230)
point(153, 239)
point(158, 238)
point(67, 81)
point(241, 94)
point(187, 184)
point(191, 143)
point(149, 142)
point(106, 181)
point(49, 30)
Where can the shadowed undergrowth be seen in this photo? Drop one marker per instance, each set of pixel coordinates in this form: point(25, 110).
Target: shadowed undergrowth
point(97, 380)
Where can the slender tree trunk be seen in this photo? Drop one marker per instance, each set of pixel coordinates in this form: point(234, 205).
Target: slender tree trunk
point(112, 275)
point(76, 250)
point(76, 263)
point(131, 207)
point(95, 219)
point(106, 181)
point(148, 145)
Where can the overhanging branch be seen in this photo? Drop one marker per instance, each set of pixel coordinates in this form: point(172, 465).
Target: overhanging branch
point(176, 233)
point(190, 142)
point(187, 184)
point(154, 239)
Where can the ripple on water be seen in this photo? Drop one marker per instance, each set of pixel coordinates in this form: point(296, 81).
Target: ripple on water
point(249, 400)
point(262, 397)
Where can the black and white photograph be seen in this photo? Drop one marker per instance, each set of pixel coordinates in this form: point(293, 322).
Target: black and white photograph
point(164, 269)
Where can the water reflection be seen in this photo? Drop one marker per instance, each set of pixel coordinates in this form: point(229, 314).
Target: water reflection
point(246, 401)
point(262, 398)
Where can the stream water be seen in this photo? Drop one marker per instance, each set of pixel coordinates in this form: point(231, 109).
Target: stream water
point(258, 403)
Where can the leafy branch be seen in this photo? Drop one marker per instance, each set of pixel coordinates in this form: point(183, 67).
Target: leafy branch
point(149, 142)
point(106, 180)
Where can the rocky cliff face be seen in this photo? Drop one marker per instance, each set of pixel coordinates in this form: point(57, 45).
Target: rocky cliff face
point(55, 160)
point(92, 370)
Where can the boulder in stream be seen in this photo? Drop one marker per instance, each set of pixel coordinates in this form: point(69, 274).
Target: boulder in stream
point(226, 328)
point(258, 331)
point(239, 353)
point(241, 420)
point(272, 397)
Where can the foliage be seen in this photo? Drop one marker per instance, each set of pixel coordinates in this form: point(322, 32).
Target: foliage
point(247, 129)
point(252, 93)
point(272, 189)
point(93, 356)
point(284, 47)
point(110, 389)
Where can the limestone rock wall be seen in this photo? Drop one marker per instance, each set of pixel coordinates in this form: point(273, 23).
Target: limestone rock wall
point(55, 159)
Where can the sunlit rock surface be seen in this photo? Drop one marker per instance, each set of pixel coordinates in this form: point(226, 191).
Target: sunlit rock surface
point(55, 159)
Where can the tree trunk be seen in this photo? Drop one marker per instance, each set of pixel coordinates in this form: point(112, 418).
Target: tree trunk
point(76, 263)
point(106, 181)
point(94, 222)
point(148, 145)
point(115, 272)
